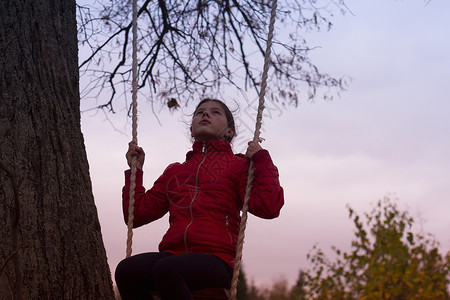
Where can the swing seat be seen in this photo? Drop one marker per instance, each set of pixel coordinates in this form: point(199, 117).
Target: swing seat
point(204, 294)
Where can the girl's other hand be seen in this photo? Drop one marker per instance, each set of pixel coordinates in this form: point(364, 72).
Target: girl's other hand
point(135, 150)
point(253, 147)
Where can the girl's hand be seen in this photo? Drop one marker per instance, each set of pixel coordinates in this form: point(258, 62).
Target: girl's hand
point(253, 147)
point(135, 150)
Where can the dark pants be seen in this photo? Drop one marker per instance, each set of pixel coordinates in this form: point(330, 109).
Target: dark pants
point(173, 276)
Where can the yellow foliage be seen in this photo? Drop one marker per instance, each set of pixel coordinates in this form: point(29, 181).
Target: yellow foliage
point(387, 261)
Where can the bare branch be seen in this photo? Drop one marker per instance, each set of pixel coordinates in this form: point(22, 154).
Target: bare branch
point(195, 47)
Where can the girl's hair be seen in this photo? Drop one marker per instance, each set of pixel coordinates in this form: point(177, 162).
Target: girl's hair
point(228, 114)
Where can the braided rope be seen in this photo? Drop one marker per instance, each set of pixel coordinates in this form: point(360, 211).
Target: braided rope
point(134, 133)
point(240, 243)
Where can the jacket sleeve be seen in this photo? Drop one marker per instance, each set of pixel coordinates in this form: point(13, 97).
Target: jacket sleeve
point(149, 205)
point(267, 197)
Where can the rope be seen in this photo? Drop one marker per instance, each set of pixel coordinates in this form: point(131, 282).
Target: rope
point(256, 137)
point(134, 133)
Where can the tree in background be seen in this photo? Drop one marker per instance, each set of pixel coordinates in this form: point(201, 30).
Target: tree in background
point(51, 245)
point(255, 293)
point(279, 290)
point(387, 261)
point(298, 291)
point(192, 48)
point(242, 286)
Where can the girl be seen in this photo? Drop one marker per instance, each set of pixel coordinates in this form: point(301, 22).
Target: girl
point(203, 196)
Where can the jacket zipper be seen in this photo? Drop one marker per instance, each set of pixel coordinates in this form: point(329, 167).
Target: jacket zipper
point(193, 198)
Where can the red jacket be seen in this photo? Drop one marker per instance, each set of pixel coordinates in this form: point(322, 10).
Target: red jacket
point(204, 196)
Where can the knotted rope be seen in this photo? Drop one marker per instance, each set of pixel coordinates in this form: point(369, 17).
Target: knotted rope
point(256, 137)
point(134, 132)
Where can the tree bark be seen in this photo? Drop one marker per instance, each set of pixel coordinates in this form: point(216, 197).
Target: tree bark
point(61, 251)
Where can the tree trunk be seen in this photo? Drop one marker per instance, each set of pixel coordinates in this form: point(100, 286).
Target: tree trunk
point(53, 249)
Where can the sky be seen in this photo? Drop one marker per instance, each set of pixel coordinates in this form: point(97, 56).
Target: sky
point(388, 135)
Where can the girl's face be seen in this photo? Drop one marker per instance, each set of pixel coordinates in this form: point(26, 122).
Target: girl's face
point(210, 123)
